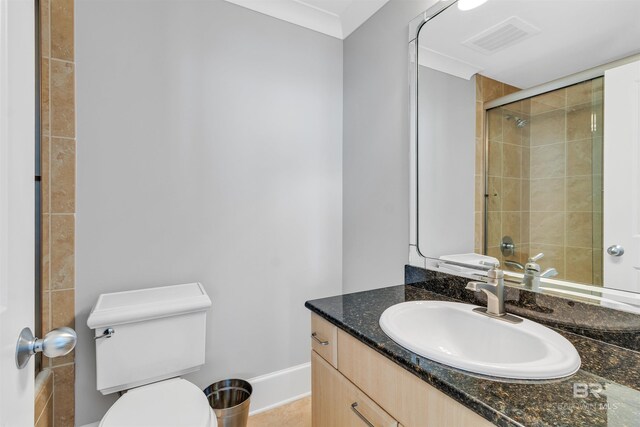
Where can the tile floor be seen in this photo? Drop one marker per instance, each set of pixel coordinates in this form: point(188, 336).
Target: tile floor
point(294, 414)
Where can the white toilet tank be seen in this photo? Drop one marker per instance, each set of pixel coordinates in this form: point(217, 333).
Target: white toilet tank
point(158, 333)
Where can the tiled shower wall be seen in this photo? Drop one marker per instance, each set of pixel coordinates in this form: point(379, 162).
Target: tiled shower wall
point(487, 90)
point(508, 183)
point(58, 153)
point(545, 180)
point(566, 180)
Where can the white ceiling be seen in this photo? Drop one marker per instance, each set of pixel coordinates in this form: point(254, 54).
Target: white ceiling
point(574, 35)
point(336, 18)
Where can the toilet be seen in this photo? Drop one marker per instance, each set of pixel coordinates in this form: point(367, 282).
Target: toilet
point(145, 341)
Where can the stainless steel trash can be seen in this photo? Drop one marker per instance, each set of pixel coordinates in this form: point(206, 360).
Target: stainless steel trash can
point(230, 401)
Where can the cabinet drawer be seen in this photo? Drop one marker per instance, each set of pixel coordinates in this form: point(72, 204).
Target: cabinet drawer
point(407, 398)
point(337, 402)
point(324, 339)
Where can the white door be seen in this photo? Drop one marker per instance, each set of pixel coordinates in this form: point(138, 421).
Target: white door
point(622, 177)
point(17, 147)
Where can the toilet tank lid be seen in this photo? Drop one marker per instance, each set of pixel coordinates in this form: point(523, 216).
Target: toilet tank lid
point(145, 304)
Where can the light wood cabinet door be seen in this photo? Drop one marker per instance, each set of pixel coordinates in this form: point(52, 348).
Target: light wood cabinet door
point(324, 339)
point(413, 402)
point(336, 402)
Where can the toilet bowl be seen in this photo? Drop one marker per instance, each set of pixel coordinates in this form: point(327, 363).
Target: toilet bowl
point(169, 403)
point(145, 340)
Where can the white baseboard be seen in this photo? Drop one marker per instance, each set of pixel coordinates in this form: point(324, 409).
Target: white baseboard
point(279, 388)
point(276, 389)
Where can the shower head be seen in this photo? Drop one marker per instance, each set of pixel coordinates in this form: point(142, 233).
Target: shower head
point(520, 122)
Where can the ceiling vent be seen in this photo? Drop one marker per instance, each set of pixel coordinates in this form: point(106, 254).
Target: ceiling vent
point(501, 36)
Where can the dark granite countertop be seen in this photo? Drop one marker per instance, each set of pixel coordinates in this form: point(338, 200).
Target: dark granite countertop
point(504, 402)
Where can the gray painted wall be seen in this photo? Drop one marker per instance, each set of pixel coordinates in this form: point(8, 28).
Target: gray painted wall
point(376, 148)
point(209, 149)
point(446, 158)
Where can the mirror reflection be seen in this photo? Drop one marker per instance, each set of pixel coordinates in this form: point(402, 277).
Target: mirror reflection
point(529, 113)
point(544, 183)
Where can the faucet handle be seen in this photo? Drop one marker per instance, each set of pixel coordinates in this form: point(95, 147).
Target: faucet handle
point(475, 286)
point(536, 258)
point(492, 264)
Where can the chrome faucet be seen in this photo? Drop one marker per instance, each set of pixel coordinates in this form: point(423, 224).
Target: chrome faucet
point(494, 289)
point(514, 264)
point(532, 274)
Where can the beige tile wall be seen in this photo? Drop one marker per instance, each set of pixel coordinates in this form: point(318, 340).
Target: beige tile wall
point(566, 177)
point(506, 184)
point(43, 405)
point(58, 194)
point(509, 183)
point(544, 178)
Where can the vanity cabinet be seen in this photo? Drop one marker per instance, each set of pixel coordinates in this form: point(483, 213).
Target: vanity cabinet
point(365, 388)
point(337, 402)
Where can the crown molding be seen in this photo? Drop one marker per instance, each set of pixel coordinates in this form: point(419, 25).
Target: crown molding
point(353, 13)
point(447, 64)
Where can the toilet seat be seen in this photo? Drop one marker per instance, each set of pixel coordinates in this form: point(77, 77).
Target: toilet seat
point(170, 403)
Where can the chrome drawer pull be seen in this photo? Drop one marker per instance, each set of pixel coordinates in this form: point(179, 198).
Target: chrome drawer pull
point(354, 408)
point(315, 337)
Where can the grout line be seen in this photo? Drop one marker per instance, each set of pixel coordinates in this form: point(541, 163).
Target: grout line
point(62, 289)
point(65, 138)
point(41, 385)
point(66, 61)
point(566, 186)
point(49, 40)
point(553, 143)
point(63, 365)
point(559, 246)
point(50, 320)
point(521, 145)
point(565, 108)
point(53, 402)
point(44, 409)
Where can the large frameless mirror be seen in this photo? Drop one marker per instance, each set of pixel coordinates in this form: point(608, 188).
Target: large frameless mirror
point(526, 144)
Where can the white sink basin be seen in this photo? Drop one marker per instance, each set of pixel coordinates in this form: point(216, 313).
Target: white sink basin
point(452, 334)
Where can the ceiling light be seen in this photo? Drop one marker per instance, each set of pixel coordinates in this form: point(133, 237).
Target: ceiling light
point(470, 4)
